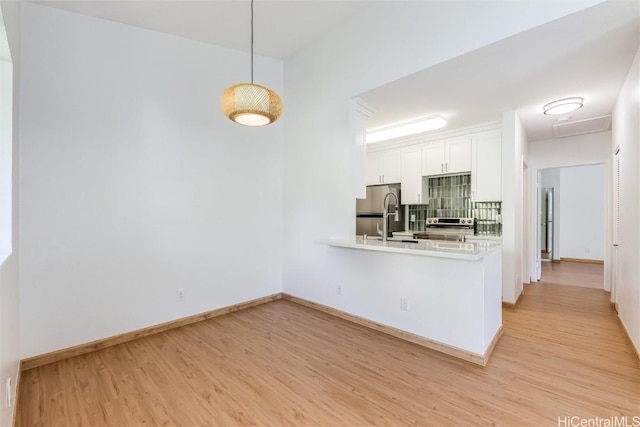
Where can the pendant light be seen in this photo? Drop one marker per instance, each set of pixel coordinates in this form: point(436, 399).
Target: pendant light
point(250, 104)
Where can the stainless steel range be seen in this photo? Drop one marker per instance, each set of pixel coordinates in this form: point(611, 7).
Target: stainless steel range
point(456, 229)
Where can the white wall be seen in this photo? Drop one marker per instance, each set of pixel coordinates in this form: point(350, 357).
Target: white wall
point(133, 184)
point(514, 153)
point(571, 151)
point(582, 212)
point(450, 301)
point(388, 40)
point(9, 291)
point(626, 135)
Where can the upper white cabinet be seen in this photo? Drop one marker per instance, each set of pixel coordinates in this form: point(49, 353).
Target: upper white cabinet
point(384, 167)
point(414, 190)
point(433, 158)
point(458, 152)
point(446, 157)
point(486, 172)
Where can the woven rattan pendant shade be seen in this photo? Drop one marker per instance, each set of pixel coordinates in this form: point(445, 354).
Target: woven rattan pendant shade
point(251, 104)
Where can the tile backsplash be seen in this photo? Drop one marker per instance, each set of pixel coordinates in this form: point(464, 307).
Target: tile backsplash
point(450, 197)
point(488, 217)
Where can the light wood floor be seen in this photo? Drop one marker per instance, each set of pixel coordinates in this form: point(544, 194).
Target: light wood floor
point(570, 273)
point(563, 353)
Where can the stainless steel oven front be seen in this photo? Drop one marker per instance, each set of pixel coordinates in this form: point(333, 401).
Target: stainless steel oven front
point(455, 229)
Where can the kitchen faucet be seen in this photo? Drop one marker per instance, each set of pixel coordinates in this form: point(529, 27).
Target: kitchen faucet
point(385, 216)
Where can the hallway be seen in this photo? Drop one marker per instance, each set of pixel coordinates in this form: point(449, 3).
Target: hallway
point(570, 273)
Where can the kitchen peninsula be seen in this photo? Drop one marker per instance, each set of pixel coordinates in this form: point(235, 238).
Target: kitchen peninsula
point(443, 295)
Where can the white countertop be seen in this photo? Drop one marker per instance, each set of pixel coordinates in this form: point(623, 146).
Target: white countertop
point(491, 237)
point(433, 248)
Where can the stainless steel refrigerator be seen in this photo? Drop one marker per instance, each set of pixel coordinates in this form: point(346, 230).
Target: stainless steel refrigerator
point(369, 211)
point(546, 224)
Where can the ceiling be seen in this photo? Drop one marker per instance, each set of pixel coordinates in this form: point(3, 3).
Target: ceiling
point(281, 27)
point(586, 54)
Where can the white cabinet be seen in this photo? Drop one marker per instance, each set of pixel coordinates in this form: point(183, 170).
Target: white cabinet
point(486, 171)
point(433, 158)
point(384, 167)
point(414, 188)
point(446, 157)
point(458, 152)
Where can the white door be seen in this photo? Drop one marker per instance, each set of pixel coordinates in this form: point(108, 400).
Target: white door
point(538, 216)
point(615, 268)
point(526, 215)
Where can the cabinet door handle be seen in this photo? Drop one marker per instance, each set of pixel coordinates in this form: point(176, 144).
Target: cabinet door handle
point(446, 167)
point(441, 167)
point(383, 179)
point(419, 197)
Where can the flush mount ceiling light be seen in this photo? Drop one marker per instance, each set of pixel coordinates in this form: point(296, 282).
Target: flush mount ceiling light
point(404, 129)
point(563, 106)
point(250, 104)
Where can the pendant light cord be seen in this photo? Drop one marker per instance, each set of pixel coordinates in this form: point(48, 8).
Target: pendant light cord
point(251, 41)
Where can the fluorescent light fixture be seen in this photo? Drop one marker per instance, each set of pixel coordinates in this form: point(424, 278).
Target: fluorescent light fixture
point(563, 106)
point(407, 128)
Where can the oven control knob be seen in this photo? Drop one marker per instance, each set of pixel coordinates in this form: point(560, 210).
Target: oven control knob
point(435, 220)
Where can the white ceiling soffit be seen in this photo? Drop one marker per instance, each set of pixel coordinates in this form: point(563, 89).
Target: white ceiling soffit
point(581, 127)
point(282, 27)
point(586, 54)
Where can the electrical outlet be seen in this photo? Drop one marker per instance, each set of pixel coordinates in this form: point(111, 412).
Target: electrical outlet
point(180, 295)
point(339, 289)
point(9, 392)
point(404, 304)
point(413, 218)
point(587, 250)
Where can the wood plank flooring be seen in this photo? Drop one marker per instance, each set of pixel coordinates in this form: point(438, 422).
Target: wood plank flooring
point(570, 273)
point(563, 353)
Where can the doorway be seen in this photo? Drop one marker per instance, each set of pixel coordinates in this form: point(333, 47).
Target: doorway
point(572, 227)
